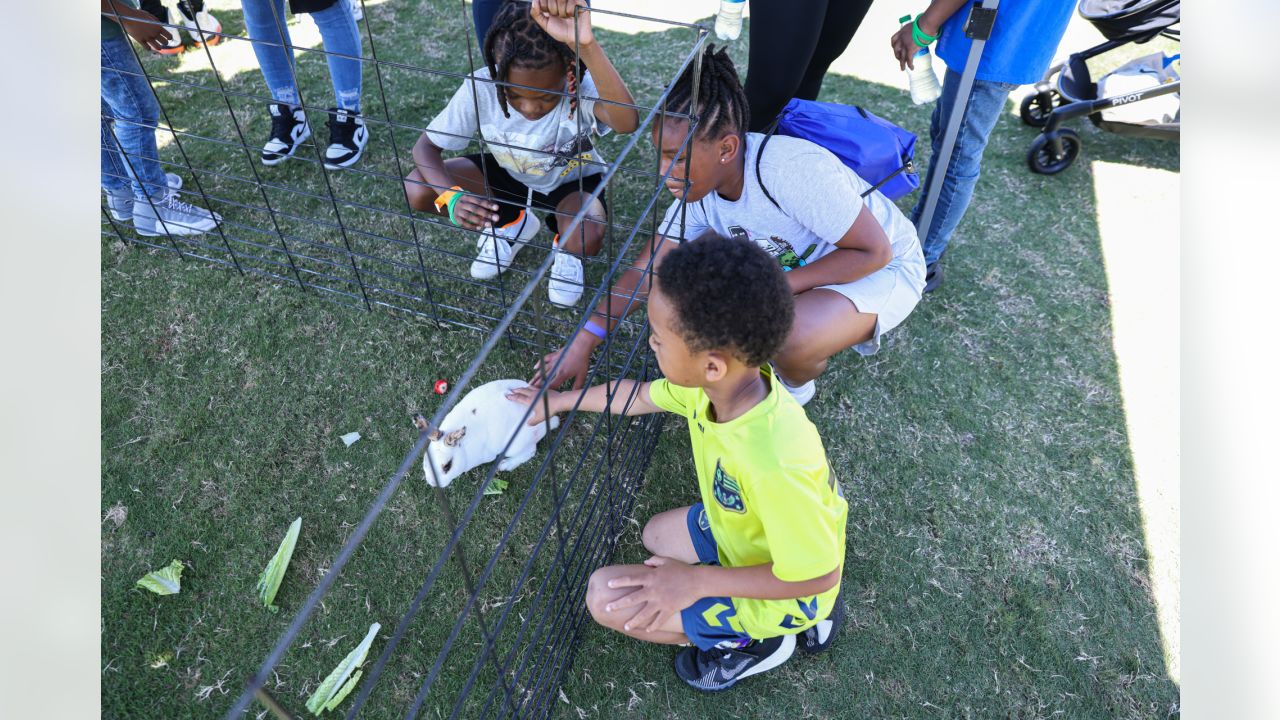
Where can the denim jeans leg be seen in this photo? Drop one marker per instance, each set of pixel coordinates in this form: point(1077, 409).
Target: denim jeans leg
point(114, 173)
point(128, 96)
point(269, 32)
point(341, 35)
point(986, 103)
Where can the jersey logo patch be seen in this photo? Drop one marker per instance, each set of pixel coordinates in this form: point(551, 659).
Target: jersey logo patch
point(726, 491)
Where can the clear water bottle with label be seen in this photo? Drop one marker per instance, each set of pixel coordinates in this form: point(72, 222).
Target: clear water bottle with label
point(729, 19)
point(924, 83)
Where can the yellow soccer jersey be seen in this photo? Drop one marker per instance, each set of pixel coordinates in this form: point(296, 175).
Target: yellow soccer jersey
point(770, 496)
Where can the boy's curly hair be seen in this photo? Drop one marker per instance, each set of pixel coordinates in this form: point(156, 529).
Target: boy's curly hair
point(721, 105)
point(729, 295)
point(515, 40)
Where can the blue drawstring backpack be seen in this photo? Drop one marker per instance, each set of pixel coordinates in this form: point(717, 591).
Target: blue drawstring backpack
point(879, 151)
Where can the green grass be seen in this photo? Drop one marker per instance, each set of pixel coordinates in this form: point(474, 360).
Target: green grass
point(995, 561)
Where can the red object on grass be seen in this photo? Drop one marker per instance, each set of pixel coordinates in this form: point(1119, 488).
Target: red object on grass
point(441, 387)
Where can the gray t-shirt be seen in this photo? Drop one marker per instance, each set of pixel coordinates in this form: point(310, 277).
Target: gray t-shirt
point(819, 198)
point(531, 158)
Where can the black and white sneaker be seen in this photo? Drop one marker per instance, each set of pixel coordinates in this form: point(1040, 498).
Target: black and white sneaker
point(720, 669)
point(347, 138)
point(288, 129)
point(819, 637)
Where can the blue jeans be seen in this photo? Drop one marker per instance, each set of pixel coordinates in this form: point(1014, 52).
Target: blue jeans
point(129, 116)
point(266, 22)
point(986, 103)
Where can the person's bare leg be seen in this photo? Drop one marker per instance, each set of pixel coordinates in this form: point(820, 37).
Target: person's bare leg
point(422, 196)
point(599, 595)
point(826, 322)
point(667, 535)
point(586, 239)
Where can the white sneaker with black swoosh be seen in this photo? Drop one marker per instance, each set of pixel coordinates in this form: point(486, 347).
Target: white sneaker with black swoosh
point(720, 669)
point(347, 138)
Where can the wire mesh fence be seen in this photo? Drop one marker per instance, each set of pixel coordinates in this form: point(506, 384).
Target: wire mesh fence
point(492, 626)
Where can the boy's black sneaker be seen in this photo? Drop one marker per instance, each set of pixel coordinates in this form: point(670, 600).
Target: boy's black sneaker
point(933, 276)
point(719, 669)
point(288, 129)
point(820, 636)
point(347, 138)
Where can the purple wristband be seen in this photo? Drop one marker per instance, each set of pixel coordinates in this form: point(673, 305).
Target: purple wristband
point(595, 329)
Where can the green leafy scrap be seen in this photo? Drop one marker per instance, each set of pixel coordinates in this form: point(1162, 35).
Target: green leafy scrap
point(269, 580)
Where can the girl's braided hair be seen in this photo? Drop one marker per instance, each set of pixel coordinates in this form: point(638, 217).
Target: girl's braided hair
point(515, 40)
point(721, 106)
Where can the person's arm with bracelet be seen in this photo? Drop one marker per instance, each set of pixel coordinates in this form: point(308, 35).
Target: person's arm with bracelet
point(907, 41)
point(606, 316)
point(464, 209)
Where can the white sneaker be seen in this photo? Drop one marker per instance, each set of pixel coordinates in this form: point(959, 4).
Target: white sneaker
point(803, 393)
point(565, 286)
point(120, 200)
point(357, 10)
point(171, 216)
point(205, 22)
point(498, 246)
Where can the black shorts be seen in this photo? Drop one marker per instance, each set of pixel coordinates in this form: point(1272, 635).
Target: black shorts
point(511, 193)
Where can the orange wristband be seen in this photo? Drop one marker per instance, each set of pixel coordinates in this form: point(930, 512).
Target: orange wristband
point(443, 198)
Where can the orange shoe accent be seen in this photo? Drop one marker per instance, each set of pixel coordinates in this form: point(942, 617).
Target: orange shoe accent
point(213, 39)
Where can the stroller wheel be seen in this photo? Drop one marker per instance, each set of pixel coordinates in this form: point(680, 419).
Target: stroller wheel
point(1042, 158)
point(1035, 108)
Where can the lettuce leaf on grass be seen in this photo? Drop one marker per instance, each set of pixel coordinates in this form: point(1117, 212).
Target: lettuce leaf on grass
point(269, 580)
point(166, 581)
point(343, 679)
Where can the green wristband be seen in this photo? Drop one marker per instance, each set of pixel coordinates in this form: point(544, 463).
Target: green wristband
point(454, 201)
point(921, 38)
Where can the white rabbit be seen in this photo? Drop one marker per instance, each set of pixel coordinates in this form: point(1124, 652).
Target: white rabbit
point(476, 430)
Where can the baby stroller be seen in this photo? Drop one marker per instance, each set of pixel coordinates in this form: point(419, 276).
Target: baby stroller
point(1076, 94)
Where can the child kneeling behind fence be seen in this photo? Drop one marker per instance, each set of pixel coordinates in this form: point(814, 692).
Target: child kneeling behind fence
point(753, 570)
point(541, 156)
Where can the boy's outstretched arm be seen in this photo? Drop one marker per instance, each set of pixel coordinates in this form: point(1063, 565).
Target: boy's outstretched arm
point(557, 18)
point(667, 586)
point(628, 398)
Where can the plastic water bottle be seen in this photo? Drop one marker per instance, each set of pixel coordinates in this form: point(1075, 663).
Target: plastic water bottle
point(729, 19)
point(924, 84)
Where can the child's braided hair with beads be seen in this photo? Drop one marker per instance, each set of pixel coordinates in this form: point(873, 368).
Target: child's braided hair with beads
point(515, 40)
point(721, 105)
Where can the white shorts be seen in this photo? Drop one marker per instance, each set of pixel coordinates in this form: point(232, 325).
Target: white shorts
point(891, 292)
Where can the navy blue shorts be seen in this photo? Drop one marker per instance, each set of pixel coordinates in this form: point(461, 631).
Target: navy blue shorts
point(709, 622)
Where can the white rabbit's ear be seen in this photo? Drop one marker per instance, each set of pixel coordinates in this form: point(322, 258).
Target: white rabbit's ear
point(432, 432)
point(453, 438)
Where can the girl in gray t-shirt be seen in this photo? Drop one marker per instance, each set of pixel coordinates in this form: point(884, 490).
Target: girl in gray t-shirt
point(537, 122)
point(854, 264)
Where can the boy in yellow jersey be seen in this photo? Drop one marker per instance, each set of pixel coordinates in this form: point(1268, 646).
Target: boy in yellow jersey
point(754, 568)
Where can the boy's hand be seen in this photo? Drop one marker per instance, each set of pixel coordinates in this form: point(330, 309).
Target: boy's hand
point(141, 26)
point(557, 18)
point(474, 212)
point(529, 395)
point(668, 587)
